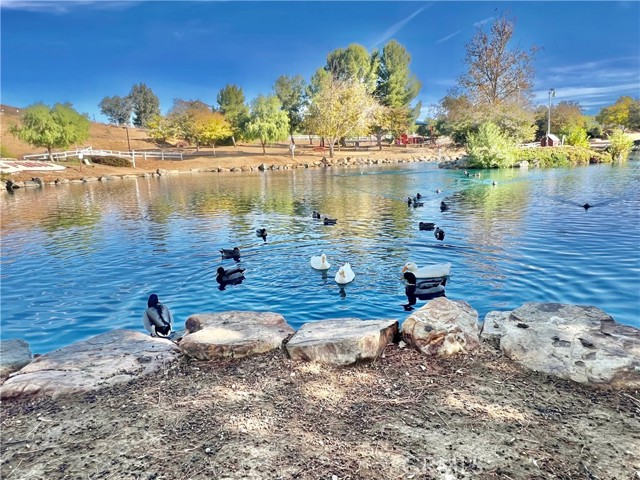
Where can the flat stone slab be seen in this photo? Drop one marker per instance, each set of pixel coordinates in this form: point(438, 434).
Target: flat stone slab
point(233, 334)
point(14, 354)
point(341, 341)
point(100, 361)
point(442, 327)
point(575, 342)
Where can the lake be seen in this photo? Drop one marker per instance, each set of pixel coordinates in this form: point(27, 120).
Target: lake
point(82, 259)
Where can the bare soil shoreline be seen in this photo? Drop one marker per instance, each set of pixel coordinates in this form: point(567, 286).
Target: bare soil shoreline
point(402, 416)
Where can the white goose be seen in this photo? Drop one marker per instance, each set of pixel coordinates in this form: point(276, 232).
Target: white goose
point(345, 274)
point(320, 262)
point(428, 271)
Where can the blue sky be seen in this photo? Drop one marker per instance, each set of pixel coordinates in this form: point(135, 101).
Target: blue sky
point(82, 51)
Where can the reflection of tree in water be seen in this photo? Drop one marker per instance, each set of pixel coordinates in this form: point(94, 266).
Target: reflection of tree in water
point(72, 226)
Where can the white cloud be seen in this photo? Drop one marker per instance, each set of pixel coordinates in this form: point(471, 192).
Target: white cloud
point(61, 6)
point(579, 93)
point(444, 39)
point(390, 32)
point(480, 23)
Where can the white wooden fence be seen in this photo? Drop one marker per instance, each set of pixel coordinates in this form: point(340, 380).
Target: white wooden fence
point(90, 151)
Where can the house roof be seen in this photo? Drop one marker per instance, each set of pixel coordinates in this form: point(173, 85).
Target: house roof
point(553, 137)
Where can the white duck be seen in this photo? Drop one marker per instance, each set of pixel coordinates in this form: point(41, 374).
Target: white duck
point(320, 262)
point(345, 274)
point(428, 271)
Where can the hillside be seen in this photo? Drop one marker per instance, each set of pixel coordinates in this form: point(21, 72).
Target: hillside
point(101, 135)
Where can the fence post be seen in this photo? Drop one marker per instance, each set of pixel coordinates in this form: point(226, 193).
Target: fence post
point(133, 158)
point(162, 154)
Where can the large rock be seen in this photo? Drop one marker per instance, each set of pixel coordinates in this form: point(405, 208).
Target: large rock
point(490, 330)
point(233, 334)
point(14, 354)
point(576, 342)
point(100, 361)
point(341, 341)
point(442, 327)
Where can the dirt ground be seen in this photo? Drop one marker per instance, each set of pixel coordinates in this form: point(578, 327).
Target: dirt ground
point(402, 416)
point(111, 137)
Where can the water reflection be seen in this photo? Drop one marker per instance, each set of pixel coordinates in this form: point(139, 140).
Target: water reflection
point(99, 249)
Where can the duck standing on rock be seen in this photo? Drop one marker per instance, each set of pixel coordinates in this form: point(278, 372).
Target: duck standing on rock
point(439, 234)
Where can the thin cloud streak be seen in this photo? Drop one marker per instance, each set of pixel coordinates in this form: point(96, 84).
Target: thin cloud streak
point(483, 21)
point(400, 25)
point(448, 37)
point(588, 92)
point(61, 7)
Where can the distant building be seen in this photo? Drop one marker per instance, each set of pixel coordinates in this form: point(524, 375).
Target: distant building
point(549, 140)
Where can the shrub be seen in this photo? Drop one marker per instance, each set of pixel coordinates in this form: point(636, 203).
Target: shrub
point(620, 146)
point(489, 147)
point(577, 136)
point(563, 156)
point(111, 161)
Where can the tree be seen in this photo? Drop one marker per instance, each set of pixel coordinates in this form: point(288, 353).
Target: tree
point(353, 63)
point(291, 93)
point(183, 118)
point(396, 88)
point(145, 104)
point(52, 127)
point(565, 117)
point(212, 127)
point(231, 103)
point(160, 128)
point(341, 108)
point(577, 136)
point(497, 74)
point(267, 121)
point(116, 109)
point(623, 114)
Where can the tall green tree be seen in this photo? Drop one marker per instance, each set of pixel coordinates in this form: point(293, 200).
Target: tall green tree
point(396, 89)
point(232, 104)
point(353, 63)
point(340, 108)
point(145, 104)
point(116, 109)
point(52, 127)
point(291, 93)
point(267, 121)
point(182, 118)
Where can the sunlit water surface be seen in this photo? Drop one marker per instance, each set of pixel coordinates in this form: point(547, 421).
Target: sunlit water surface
point(81, 259)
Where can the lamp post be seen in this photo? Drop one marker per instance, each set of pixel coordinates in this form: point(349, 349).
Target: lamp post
point(552, 93)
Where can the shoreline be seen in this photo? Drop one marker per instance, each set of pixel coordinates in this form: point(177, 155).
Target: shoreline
point(244, 160)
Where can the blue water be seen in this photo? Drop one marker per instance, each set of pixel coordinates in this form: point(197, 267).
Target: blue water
point(78, 260)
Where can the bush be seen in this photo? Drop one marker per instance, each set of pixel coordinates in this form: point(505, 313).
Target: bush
point(563, 156)
point(111, 161)
point(620, 146)
point(489, 147)
point(577, 136)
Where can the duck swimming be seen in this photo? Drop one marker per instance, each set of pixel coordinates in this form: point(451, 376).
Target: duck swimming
point(262, 232)
point(586, 206)
point(443, 206)
point(428, 226)
point(330, 221)
point(316, 215)
point(319, 262)
point(230, 275)
point(438, 271)
point(439, 234)
point(345, 274)
point(230, 252)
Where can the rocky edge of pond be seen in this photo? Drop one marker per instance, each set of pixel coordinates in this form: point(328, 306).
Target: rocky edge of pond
point(444, 161)
point(572, 342)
